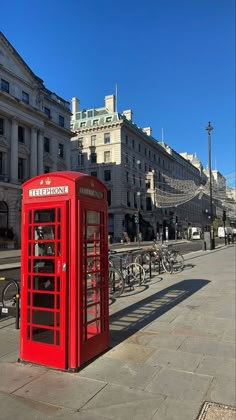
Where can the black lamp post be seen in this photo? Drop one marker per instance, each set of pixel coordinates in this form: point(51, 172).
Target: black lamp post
point(209, 128)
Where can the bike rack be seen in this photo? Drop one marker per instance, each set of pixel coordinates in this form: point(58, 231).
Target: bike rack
point(15, 312)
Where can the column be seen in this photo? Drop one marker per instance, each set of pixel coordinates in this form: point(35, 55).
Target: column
point(14, 152)
point(33, 152)
point(68, 156)
point(40, 152)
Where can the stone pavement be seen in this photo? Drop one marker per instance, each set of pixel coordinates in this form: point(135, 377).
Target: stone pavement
point(172, 349)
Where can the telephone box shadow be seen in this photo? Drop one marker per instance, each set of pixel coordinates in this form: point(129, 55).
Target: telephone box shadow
point(128, 321)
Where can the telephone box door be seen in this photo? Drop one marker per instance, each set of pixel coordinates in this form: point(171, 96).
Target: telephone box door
point(94, 287)
point(44, 289)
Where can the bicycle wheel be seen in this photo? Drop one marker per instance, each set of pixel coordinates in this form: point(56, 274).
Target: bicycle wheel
point(143, 260)
point(135, 274)
point(167, 264)
point(9, 293)
point(177, 261)
point(116, 282)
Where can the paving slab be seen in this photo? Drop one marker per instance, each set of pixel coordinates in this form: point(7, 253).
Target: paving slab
point(175, 359)
point(123, 403)
point(61, 389)
point(222, 391)
point(119, 372)
point(180, 385)
point(208, 346)
point(218, 367)
point(172, 409)
point(15, 375)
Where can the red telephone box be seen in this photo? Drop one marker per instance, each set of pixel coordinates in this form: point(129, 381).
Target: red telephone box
point(64, 277)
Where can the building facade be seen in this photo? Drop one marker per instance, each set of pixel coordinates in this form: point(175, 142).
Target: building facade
point(134, 166)
point(34, 134)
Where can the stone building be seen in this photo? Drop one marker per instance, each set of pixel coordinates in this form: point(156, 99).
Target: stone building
point(34, 134)
point(134, 167)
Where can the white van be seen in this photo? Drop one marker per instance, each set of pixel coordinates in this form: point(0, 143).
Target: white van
point(222, 231)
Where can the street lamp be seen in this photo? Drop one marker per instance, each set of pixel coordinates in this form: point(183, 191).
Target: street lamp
point(138, 219)
point(209, 128)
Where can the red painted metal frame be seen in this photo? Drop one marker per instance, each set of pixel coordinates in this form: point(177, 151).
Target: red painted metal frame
point(81, 341)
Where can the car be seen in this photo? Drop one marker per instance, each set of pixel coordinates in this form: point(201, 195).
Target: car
point(196, 235)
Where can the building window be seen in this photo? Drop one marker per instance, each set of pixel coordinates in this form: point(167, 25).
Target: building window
point(133, 143)
point(108, 119)
point(61, 121)
point(94, 173)
point(25, 97)
point(90, 114)
point(107, 175)
point(109, 197)
point(93, 140)
point(80, 160)
point(61, 150)
point(134, 162)
point(95, 122)
point(80, 143)
point(93, 157)
point(47, 112)
point(134, 179)
point(21, 134)
point(126, 140)
point(20, 168)
point(145, 167)
point(4, 86)
point(1, 163)
point(1, 126)
point(139, 147)
point(126, 158)
point(46, 144)
point(46, 169)
point(145, 151)
point(127, 176)
point(83, 124)
point(128, 199)
point(148, 203)
point(107, 138)
point(107, 156)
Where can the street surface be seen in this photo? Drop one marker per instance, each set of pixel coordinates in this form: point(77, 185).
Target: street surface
point(184, 247)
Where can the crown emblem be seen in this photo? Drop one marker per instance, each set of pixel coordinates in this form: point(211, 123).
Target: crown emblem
point(48, 181)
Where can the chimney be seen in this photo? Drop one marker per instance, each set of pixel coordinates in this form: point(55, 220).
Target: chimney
point(75, 106)
point(110, 103)
point(148, 131)
point(128, 114)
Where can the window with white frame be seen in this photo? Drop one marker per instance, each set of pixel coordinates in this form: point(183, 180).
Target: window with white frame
point(107, 138)
point(107, 156)
point(93, 140)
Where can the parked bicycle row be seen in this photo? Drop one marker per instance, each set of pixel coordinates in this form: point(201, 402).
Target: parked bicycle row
point(136, 267)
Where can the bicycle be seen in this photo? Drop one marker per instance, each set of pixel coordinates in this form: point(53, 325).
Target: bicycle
point(10, 294)
point(132, 272)
point(157, 257)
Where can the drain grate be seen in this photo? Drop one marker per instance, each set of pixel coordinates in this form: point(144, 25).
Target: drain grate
point(214, 411)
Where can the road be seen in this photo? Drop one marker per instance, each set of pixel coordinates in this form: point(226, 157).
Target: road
point(185, 248)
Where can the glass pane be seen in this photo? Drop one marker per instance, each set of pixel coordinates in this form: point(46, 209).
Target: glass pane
point(44, 266)
point(93, 232)
point(44, 232)
point(43, 318)
point(45, 215)
point(93, 217)
point(43, 335)
point(43, 300)
point(93, 295)
point(43, 283)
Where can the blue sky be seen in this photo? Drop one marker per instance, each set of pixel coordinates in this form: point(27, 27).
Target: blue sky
point(173, 62)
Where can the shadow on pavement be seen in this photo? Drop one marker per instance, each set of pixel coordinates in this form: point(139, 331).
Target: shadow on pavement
point(133, 318)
